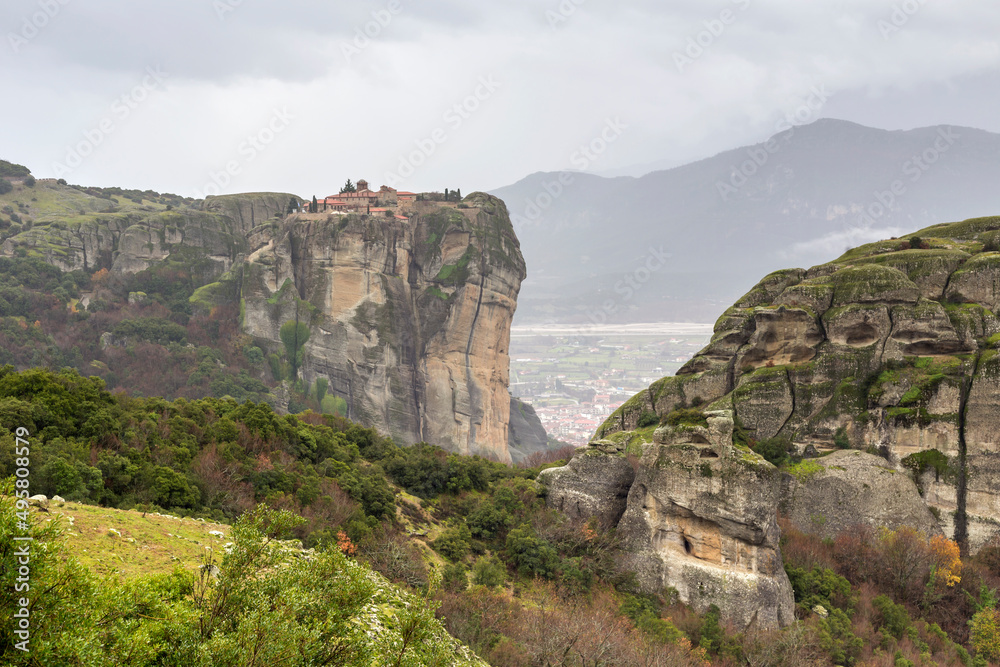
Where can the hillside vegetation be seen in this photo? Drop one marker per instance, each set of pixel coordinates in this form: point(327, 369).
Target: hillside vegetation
point(517, 583)
point(55, 318)
point(462, 530)
point(324, 609)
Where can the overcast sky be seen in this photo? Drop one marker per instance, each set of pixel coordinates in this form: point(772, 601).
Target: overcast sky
point(208, 96)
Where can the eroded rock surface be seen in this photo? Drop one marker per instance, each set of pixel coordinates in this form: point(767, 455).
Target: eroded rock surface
point(525, 433)
point(700, 516)
point(893, 347)
point(409, 318)
point(833, 493)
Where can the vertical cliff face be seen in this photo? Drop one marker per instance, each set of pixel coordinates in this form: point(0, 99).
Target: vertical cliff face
point(409, 319)
point(893, 347)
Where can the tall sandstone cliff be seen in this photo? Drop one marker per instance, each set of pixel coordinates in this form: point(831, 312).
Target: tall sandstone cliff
point(409, 319)
point(893, 348)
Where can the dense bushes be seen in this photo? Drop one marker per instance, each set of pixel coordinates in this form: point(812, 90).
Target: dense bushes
point(210, 456)
point(43, 323)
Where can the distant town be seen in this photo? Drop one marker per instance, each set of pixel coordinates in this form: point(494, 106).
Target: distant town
point(575, 377)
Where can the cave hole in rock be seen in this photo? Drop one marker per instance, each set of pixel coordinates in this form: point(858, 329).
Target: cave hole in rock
point(928, 348)
point(709, 454)
point(861, 335)
point(687, 545)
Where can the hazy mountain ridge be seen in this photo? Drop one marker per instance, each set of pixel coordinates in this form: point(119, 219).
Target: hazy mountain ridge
point(588, 239)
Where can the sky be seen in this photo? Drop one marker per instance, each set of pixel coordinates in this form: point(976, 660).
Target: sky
point(202, 97)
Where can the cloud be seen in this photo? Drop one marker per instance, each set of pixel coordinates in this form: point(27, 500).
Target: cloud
point(831, 245)
point(358, 112)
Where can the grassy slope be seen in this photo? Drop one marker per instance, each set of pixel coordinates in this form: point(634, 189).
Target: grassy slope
point(156, 543)
point(149, 544)
point(48, 202)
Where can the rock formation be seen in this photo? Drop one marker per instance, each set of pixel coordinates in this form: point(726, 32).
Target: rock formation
point(696, 513)
point(526, 435)
point(834, 493)
point(408, 317)
point(893, 347)
point(210, 240)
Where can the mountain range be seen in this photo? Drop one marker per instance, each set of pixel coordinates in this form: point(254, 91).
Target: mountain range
point(682, 243)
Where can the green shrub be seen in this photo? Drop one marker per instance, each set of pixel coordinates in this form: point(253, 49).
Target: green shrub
point(775, 450)
point(685, 416)
point(647, 418)
point(321, 386)
point(821, 586)
point(453, 543)
point(454, 578)
point(294, 335)
point(253, 354)
point(929, 459)
point(841, 440)
point(530, 555)
point(489, 572)
point(891, 616)
point(645, 613)
point(836, 637)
